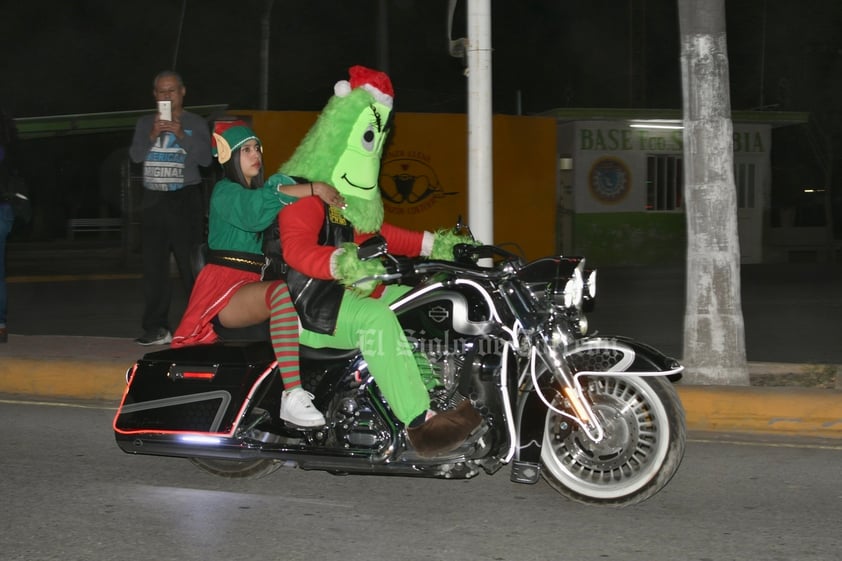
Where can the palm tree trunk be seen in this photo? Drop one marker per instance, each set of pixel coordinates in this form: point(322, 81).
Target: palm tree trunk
point(714, 335)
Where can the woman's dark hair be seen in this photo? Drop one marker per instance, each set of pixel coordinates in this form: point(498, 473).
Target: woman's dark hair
point(234, 172)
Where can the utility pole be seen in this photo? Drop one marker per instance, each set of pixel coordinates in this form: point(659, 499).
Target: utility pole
point(480, 129)
point(475, 52)
point(265, 32)
point(383, 36)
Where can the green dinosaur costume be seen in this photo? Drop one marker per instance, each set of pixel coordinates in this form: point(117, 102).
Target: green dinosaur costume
point(343, 149)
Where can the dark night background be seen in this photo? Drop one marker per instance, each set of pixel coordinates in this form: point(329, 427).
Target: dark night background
point(86, 56)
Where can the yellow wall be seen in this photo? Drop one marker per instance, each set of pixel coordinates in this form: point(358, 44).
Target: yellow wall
point(424, 173)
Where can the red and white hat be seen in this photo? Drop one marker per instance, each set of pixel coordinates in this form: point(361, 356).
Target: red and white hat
point(377, 83)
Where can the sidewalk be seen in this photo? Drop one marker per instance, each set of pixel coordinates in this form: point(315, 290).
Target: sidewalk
point(93, 368)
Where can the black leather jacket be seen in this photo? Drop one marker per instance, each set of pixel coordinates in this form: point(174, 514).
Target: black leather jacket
point(316, 300)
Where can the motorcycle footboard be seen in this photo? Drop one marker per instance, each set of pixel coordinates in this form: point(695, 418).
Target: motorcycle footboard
point(194, 391)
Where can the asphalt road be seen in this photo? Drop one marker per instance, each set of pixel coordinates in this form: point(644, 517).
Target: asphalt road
point(69, 493)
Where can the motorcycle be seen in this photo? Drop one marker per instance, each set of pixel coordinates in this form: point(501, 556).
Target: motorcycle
point(596, 417)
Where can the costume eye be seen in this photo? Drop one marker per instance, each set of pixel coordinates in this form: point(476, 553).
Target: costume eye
point(368, 139)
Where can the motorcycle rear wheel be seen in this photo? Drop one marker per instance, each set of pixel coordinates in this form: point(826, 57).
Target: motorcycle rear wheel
point(644, 441)
point(234, 469)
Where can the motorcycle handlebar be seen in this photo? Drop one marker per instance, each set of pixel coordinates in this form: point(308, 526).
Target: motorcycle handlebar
point(398, 268)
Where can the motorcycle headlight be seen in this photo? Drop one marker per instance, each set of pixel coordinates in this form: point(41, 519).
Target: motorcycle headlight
point(574, 290)
point(591, 285)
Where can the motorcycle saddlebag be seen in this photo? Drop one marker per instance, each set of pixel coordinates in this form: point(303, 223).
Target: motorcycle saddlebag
point(202, 389)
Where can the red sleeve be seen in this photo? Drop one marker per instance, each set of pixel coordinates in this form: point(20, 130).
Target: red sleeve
point(401, 241)
point(300, 225)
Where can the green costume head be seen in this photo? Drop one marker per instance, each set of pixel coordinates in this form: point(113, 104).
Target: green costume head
point(345, 145)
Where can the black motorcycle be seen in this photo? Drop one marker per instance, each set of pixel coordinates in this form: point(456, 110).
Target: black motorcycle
point(597, 417)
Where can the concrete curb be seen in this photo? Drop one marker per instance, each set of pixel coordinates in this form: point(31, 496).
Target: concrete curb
point(48, 368)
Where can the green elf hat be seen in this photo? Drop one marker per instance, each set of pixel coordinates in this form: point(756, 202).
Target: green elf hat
point(228, 136)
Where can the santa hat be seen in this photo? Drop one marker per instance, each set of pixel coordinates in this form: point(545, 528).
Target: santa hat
point(228, 136)
point(375, 82)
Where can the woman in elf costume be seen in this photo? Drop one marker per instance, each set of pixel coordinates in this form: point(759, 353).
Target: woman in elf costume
point(319, 243)
point(230, 291)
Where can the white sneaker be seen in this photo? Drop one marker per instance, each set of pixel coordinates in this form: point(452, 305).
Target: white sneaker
point(297, 408)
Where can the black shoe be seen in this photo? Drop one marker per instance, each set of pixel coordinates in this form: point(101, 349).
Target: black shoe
point(4, 335)
point(160, 336)
point(445, 431)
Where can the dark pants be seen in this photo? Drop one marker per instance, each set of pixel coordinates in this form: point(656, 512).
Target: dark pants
point(173, 222)
point(7, 218)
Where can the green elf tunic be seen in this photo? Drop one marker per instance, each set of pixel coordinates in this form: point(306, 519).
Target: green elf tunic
point(237, 218)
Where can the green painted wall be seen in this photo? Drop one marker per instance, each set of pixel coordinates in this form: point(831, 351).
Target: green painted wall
point(630, 238)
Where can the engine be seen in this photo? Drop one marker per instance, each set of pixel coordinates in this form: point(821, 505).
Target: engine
point(358, 426)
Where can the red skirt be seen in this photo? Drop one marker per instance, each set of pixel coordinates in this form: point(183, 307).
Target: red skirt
point(212, 291)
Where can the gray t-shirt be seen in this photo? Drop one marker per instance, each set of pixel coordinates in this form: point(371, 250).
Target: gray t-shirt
point(169, 163)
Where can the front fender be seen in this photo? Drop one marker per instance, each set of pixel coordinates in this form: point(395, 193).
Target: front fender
point(625, 355)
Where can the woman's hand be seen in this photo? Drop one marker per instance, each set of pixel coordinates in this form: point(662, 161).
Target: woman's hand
point(328, 194)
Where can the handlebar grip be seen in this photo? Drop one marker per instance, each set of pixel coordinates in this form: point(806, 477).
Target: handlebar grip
point(467, 253)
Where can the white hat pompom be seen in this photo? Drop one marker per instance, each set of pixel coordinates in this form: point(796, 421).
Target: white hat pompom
point(342, 88)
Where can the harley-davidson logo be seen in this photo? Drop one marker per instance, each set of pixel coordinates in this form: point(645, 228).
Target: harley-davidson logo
point(438, 314)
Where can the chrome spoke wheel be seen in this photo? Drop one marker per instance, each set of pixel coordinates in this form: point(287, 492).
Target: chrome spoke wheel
point(642, 445)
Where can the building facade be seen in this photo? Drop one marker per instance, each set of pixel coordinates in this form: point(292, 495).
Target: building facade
point(621, 183)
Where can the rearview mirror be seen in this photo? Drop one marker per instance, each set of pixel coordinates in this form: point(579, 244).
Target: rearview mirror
point(374, 246)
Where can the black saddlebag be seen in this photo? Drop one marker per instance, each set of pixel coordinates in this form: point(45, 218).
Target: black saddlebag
point(202, 389)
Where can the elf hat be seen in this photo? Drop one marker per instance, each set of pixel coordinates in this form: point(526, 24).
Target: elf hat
point(377, 83)
point(228, 136)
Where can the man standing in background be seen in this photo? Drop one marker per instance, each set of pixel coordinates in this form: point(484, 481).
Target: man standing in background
point(8, 136)
point(172, 147)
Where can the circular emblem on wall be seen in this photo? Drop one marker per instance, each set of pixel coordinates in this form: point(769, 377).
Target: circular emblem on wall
point(409, 181)
point(609, 180)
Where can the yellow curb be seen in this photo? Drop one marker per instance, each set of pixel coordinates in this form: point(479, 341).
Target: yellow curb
point(770, 410)
point(63, 379)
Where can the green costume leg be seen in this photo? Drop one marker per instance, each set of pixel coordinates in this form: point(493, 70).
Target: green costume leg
point(369, 324)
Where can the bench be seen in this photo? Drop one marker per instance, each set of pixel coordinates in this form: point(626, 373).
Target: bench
point(79, 225)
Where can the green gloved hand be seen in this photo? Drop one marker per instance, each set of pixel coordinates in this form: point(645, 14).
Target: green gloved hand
point(444, 242)
point(350, 269)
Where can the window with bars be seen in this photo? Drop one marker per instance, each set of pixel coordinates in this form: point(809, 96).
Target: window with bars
point(664, 182)
point(744, 178)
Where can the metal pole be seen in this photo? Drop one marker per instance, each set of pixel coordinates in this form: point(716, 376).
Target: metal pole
point(480, 160)
point(265, 45)
point(178, 37)
point(383, 36)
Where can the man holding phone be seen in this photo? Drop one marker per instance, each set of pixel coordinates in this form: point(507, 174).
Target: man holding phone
point(172, 144)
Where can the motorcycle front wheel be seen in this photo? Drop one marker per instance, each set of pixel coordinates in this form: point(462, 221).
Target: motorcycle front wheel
point(642, 448)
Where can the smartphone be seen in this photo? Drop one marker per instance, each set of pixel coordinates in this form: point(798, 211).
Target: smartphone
point(165, 110)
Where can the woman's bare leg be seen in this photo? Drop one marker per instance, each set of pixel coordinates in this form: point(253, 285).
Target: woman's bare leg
point(257, 302)
point(247, 306)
